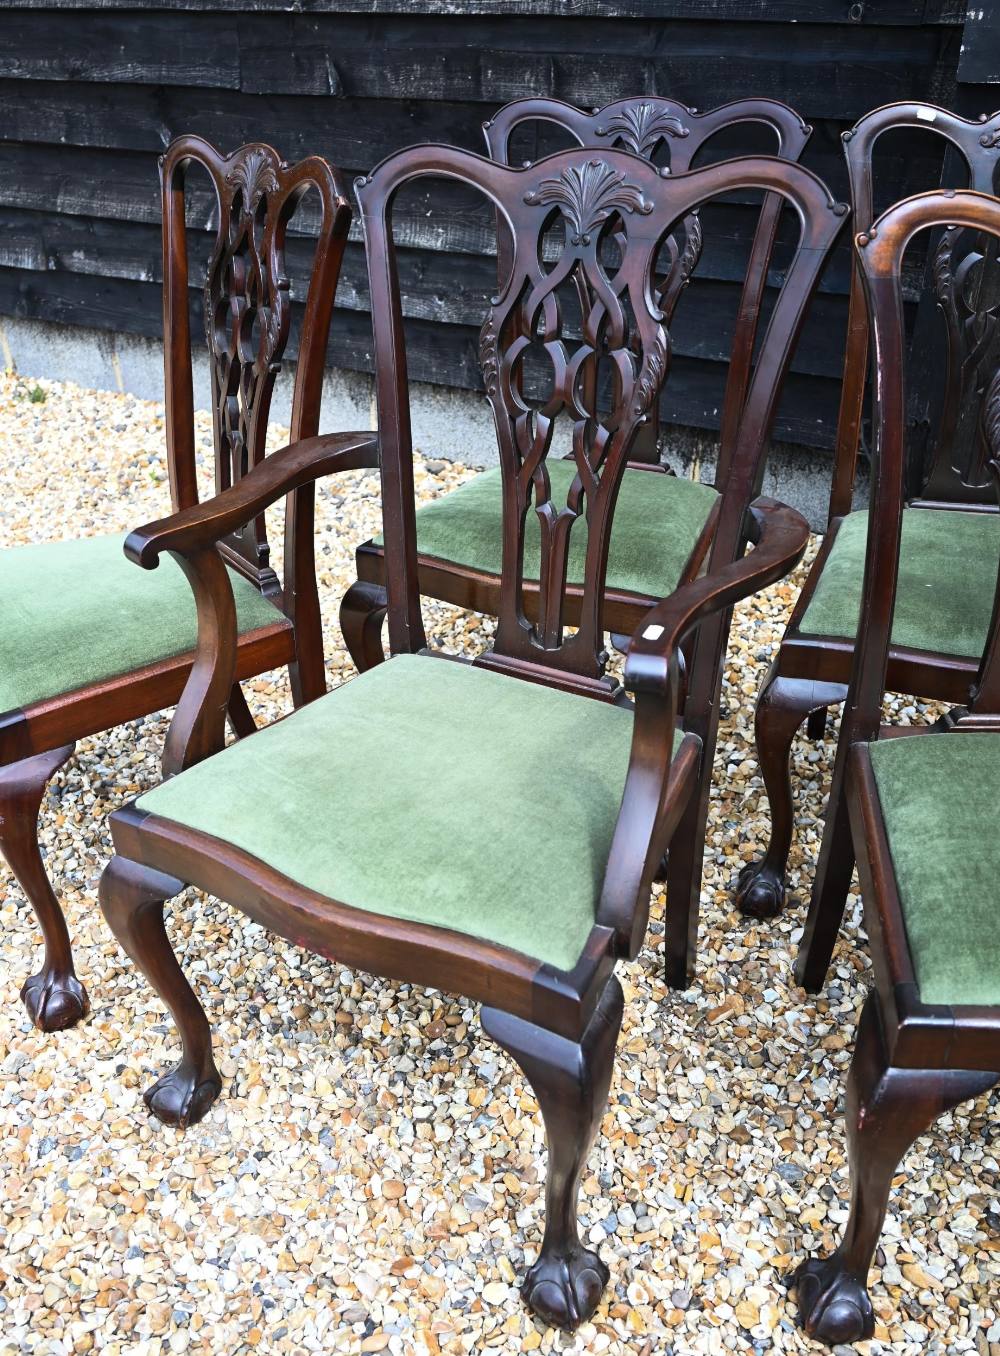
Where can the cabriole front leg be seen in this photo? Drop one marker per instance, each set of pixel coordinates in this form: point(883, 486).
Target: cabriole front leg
point(783, 704)
point(132, 899)
point(54, 997)
point(887, 1109)
point(571, 1082)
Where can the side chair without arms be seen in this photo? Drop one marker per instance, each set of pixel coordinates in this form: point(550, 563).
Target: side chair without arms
point(664, 525)
point(491, 827)
point(948, 538)
point(921, 804)
point(87, 641)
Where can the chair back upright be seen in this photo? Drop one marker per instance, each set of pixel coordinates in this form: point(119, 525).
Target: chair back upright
point(248, 321)
point(668, 131)
point(585, 201)
point(880, 254)
point(962, 276)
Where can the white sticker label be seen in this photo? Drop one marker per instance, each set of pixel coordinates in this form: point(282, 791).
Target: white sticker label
point(927, 114)
point(652, 633)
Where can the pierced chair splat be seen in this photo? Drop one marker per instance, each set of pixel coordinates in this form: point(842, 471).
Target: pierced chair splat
point(522, 802)
point(916, 806)
point(89, 642)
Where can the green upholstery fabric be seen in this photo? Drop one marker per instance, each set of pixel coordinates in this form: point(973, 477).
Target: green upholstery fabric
point(947, 578)
point(77, 612)
point(431, 791)
point(939, 795)
point(658, 520)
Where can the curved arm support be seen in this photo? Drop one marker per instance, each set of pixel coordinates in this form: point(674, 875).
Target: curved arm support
point(198, 727)
point(658, 783)
point(279, 474)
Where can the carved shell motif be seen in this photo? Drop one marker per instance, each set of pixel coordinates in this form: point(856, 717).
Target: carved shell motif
point(640, 126)
point(587, 196)
point(254, 175)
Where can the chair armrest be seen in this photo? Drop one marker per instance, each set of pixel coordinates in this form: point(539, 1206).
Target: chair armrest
point(190, 536)
point(293, 466)
point(658, 784)
point(780, 535)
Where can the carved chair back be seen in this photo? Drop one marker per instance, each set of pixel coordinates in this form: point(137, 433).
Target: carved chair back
point(248, 319)
point(967, 286)
point(588, 197)
point(880, 258)
point(668, 131)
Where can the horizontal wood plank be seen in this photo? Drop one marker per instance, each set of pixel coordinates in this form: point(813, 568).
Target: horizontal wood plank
point(483, 58)
point(758, 11)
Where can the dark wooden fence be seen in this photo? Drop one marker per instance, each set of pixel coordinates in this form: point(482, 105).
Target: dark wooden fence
point(90, 94)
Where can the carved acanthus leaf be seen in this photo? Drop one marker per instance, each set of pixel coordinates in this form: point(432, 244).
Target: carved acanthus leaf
point(990, 140)
point(587, 195)
point(653, 371)
point(944, 278)
point(488, 354)
point(692, 247)
point(640, 126)
point(991, 417)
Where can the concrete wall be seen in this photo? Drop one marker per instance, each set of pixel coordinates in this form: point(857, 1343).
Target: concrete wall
point(450, 424)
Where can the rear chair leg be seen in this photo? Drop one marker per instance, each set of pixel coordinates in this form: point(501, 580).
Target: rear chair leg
point(783, 704)
point(132, 898)
point(571, 1082)
point(54, 997)
point(887, 1109)
point(831, 886)
point(240, 716)
point(362, 613)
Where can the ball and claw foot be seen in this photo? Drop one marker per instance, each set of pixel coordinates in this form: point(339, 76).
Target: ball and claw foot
point(760, 891)
point(54, 1001)
point(182, 1097)
point(834, 1306)
point(564, 1291)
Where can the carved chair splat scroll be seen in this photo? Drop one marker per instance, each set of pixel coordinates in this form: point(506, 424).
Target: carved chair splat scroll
point(813, 665)
point(531, 744)
point(457, 563)
point(917, 806)
point(96, 647)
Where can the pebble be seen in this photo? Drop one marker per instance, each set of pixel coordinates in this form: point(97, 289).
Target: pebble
point(373, 1177)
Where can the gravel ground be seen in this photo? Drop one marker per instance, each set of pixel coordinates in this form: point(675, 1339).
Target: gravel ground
point(372, 1178)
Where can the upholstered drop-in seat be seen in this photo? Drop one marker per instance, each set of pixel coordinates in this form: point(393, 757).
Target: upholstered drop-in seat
point(944, 594)
point(939, 795)
point(658, 521)
point(412, 792)
point(78, 612)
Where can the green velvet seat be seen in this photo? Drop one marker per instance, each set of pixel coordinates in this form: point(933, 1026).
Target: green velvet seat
point(947, 579)
point(658, 520)
point(78, 612)
point(416, 790)
point(939, 796)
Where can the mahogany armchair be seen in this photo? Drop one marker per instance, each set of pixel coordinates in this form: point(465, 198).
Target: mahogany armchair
point(491, 827)
point(919, 804)
point(89, 642)
point(664, 525)
point(949, 532)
